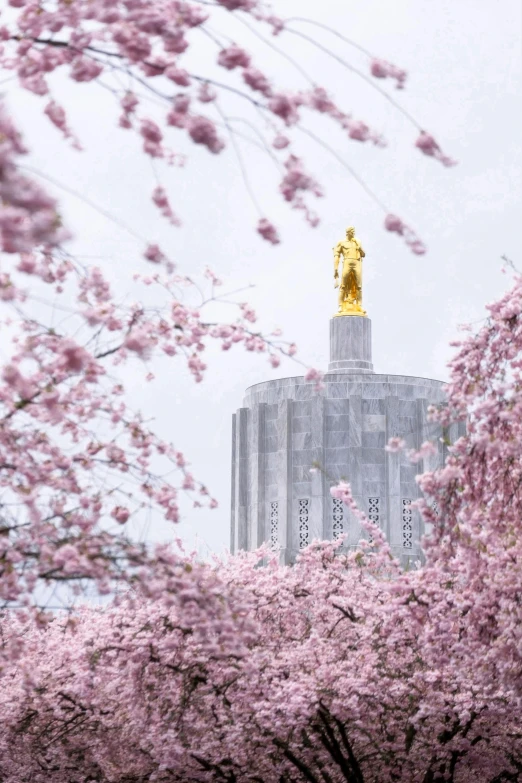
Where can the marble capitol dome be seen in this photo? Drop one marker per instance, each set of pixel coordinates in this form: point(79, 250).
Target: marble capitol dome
point(286, 429)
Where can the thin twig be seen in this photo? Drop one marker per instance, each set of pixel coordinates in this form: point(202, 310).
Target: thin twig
point(239, 159)
point(359, 73)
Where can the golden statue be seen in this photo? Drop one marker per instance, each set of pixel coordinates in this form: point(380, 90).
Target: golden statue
point(350, 286)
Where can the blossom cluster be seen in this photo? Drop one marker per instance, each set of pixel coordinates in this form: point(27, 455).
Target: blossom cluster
point(149, 43)
point(248, 670)
point(78, 466)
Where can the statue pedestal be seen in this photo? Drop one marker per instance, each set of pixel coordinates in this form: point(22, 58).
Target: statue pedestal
point(350, 345)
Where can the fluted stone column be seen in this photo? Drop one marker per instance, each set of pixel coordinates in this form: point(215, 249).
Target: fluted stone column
point(241, 479)
point(256, 517)
point(284, 480)
point(350, 344)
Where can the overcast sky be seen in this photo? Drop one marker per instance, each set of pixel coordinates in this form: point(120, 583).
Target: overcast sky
point(463, 59)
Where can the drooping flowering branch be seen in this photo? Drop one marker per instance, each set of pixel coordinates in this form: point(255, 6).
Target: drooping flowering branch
point(74, 459)
point(147, 42)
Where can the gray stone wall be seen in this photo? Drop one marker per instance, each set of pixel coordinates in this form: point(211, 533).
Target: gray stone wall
point(292, 443)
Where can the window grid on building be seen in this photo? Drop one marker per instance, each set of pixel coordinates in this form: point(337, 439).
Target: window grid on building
point(374, 510)
point(337, 518)
point(373, 513)
point(407, 523)
point(304, 507)
point(274, 524)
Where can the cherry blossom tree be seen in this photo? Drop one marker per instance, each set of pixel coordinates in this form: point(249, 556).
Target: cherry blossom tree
point(325, 671)
point(78, 466)
point(341, 668)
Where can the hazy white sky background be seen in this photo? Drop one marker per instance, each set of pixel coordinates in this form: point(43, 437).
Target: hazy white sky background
point(463, 59)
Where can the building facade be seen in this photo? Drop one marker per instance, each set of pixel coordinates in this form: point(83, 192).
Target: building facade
point(291, 443)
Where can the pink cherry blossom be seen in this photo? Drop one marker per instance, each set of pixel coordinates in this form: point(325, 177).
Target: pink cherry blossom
point(27, 263)
point(181, 103)
point(296, 180)
point(396, 224)
point(139, 341)
point(382, 70)
point(203, 131)
point(359, 131)
point(160, 199)
point(280, 142)
point(129, 102)
point(256, 80)
point(178, 75)
point(73, 357)
point(312, 374)
point(152, 138)
point(268, 231)
point(238, 5)
point(247, 312)
point(58, 117)
point(285, 107)
point(210, 275)
point(176, 42)
point(233, 57)
point(153, 253)
point(206, 94)
point(427, 144)
point(394, 445)
point(83, 69)
point(120, 514)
